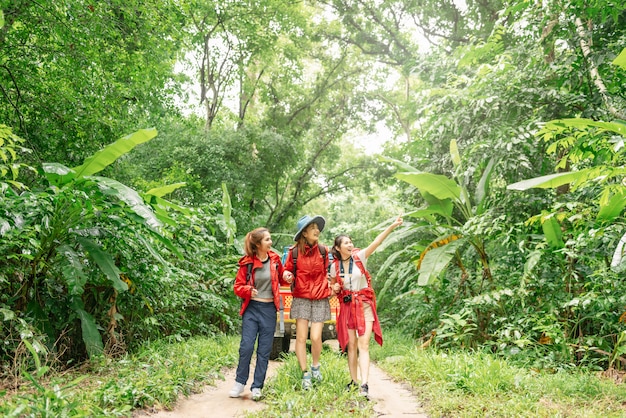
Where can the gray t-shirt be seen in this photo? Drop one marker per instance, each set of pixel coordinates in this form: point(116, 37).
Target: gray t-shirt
point(263, 281)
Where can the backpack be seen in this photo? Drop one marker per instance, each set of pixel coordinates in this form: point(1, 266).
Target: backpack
point(281, 307)
point(359, 264)
point(294, 256)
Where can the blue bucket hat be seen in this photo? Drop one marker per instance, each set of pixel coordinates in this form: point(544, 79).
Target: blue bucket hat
point(305, 221)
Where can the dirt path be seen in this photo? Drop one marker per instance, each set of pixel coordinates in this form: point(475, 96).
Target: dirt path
point(391, 399)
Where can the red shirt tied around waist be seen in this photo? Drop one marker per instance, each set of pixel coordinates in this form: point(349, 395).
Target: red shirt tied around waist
point(358, 318)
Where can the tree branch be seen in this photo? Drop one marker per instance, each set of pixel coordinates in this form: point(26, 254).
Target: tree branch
point(593, 71)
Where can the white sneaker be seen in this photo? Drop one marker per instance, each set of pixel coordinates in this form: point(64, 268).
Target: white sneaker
point(316, 373)
point(256, 394)
point(306, 381)
point(365, 391)
point(237, 390)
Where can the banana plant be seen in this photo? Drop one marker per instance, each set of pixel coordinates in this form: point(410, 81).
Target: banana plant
point(83, 203)
point(449, 212)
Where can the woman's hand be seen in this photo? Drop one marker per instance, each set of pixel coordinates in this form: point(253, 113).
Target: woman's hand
point(336, 288)
point(288, 276)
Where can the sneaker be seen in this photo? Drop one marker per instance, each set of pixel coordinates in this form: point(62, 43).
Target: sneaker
point(306, 381)
point(351, 386)
point(237, 390)
point(364, 391)
point(316, 373)
point(256, 394)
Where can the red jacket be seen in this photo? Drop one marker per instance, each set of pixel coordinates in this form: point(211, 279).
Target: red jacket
point(311, 280)
point(354, 309)
point(244, 290)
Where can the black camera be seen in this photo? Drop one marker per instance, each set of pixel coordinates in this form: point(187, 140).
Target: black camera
point(347, 299)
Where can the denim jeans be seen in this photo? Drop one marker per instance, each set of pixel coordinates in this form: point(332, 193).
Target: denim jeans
point(258, 322)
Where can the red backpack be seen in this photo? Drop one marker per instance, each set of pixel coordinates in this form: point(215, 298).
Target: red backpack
point(358, 263)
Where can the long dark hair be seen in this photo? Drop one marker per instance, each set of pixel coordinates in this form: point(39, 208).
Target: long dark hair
point(337, 243)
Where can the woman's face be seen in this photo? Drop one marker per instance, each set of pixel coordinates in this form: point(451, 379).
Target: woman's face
point(346, 247)
point(311, 233)
point(266, 242)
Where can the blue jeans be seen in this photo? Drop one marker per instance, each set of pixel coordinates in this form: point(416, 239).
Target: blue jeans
point(259, 321)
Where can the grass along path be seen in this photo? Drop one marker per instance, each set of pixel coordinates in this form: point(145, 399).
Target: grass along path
point(284, 398)
point(461, 384)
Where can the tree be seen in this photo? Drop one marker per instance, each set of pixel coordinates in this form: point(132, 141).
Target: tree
point(75, 73)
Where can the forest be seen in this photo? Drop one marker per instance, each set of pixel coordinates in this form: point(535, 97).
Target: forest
point(141, 140)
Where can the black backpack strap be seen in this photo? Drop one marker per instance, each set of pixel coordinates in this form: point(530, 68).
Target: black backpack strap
point(249, 273)
point(323, 253)
point(294, 257)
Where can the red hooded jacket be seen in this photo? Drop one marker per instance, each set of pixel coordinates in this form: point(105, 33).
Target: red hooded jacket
point(244, 290)
point(311, 281)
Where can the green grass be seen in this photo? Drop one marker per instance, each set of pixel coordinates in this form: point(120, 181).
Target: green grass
point(448, 384)
point(156, 375)
point(285, 398)
point(479, 385)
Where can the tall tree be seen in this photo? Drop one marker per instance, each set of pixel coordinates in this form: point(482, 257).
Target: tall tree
point(75, 73)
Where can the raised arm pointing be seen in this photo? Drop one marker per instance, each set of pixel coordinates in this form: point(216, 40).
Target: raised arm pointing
point(381, 237)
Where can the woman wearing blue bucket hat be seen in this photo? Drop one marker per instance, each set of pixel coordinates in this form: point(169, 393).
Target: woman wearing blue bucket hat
point(310, 290)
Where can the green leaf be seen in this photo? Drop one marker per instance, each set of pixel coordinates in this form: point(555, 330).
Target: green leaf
point(73, 272)
point(550, 181)
point(150, 248)
point(128, 196)
point(7, 314)
point(482, 188)
point(613, 208)
point(436, 260)
point(58, 174)
point(165, 241)
point(105, 262)
point(582, 123)
point(552, 231)
point(112, 152)
point(402, 166)
point(620, 60)
point(454, 153)
point(91, 335)
point(167, 204)
point(443, 210)
point(437, 185)
point(162, 191)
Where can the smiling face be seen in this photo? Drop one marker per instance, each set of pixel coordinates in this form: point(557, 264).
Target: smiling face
point(311, 233)
point(344, 245)
point(266, 243)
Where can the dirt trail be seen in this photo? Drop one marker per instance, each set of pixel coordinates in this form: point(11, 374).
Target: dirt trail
point(391, 399)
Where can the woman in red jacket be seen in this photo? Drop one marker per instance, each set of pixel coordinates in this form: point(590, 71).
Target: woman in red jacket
point(357, 316)
point(257, 283)
point(310, 292)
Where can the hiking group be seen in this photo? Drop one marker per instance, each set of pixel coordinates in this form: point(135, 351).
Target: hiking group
point(313, 280)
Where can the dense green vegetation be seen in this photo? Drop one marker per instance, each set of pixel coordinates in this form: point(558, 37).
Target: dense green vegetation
point(140, 140)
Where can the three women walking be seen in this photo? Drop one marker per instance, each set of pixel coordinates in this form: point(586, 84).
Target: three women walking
point(312, 281)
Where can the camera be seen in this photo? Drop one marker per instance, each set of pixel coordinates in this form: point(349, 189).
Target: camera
point(347, 299)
